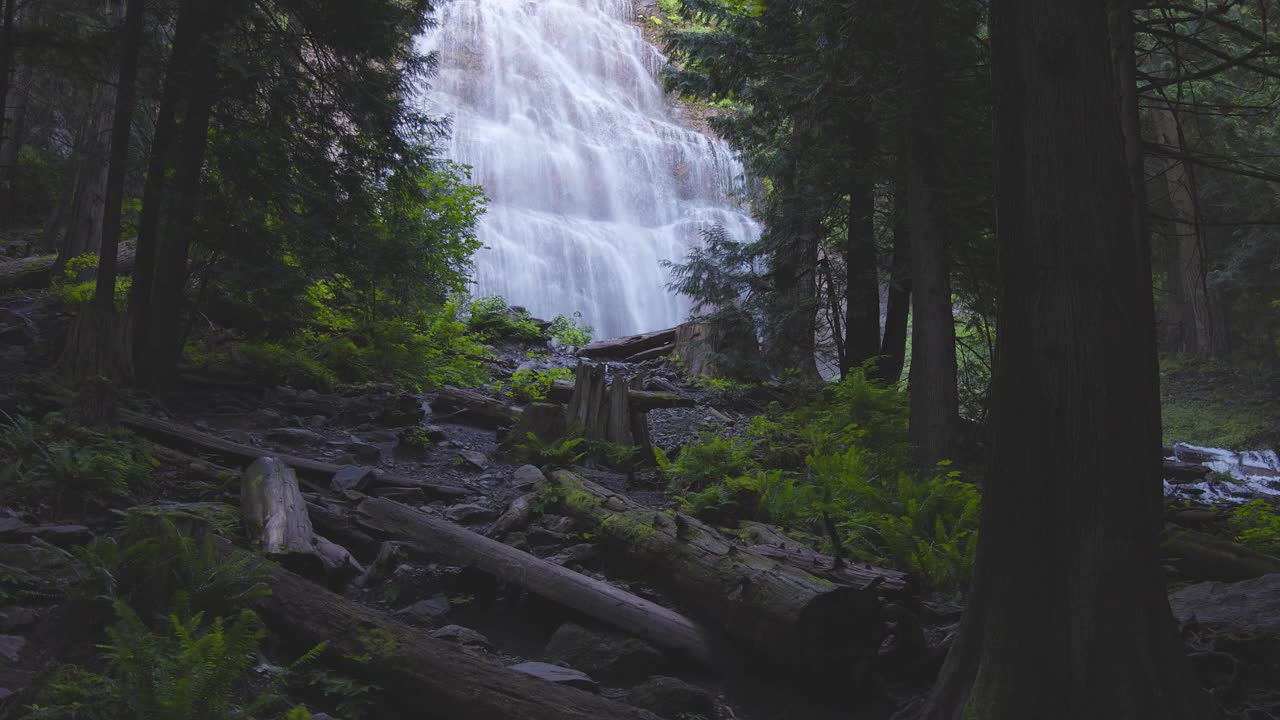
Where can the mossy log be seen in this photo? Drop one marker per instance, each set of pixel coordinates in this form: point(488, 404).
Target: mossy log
point(768, 541)
point(813, 627)
point(441, 679)
point(476, 407)
point(193, 441)
point(1200, 556)
point(453, 544)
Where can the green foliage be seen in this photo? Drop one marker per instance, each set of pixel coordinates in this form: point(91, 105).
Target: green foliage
point(561, 453)
point(1218, 404)
point(567, 331)
point(353, 699)
point(275, 364)
point(54, 462)
point(73, 289)
point(493, 320)
point(526, 386)
point(1257, 525)
point(710, 459)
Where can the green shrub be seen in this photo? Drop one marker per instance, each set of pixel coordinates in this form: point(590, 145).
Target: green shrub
point(1257, 526)
point(276, 364)
point(493, 320)
point(73, 289)
point(527, 386)
point(709, 460)
point(558, 454)
point(567, 331)
point(55, 462)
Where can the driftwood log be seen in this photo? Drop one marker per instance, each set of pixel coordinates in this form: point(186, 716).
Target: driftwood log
point(812, 626)
point(193, 441)
point(456, 545)
point(474, 406)
point(623, 347)
point(34, 273)
point(442, 679)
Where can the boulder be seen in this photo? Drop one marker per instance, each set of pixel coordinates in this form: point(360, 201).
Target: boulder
point(461, 636)
point(557, 674)
point(1248, 607)
point(363, 451)
point(672, 698)
point(11, 647)
point(431, 611)
point(526, 476)
point(477, 460)
point(606, 655)
point(351, 477)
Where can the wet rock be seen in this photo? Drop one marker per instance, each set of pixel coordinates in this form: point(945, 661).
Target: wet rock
point(11, 647)
point(364, 452)
point(17, 618)
point(351, 477)
point(461, 636)
point(673, 698)
point(606, 655)
point(431, 611)
point(557, 674)
point(1249, 607)
point(435, 433)
point(526, 475)
point(470, 514)
point(295, 436)
point(477, 460)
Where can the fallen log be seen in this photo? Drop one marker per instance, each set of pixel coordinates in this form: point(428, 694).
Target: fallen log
point(416, 669)
point(654, 354)
point(1200, 556)
point(599, 600)
point(193, 441)
point(641, 400)
point(768, 541)
point(1184, 473)
point(816, 628)
point(34, 273)
point(623, 347)
point(475, 406)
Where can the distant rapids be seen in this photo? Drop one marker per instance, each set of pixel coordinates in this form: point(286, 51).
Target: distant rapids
point(593, 176)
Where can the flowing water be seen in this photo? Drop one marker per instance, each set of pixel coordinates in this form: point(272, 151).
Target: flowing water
point(592, 174)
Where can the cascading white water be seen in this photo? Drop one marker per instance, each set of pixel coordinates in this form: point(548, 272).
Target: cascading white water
point(593, 179)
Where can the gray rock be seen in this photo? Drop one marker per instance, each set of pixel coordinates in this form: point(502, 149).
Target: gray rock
point(462, 636)
point(295, 436)
point(11, 647)
point(1250, 607)
point(477, 460)
point(557, 674)
point(526, 475)
point(242, 437)
point(364, 451)
point(378, 436)
point(351, 477)
point(670, 697)
point(605, 655)
point(435, 433)
point(580, 554)
point(17, 618)
point(470, 513)
point(431, 611)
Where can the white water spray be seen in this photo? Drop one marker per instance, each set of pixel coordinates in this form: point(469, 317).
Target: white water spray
point(592, 176)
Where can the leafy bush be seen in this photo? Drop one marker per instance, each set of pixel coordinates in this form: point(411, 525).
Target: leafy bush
point(531, 385)
point(709, 460)
point(567, 331)
point(493, 320)
point(1257, 526)
point(55, 462)
point(73, 289)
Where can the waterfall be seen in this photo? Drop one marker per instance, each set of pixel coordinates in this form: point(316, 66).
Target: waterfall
point(593, 175)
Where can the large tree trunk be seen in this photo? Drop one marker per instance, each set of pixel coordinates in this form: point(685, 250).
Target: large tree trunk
point(596, 599)
point(791, 328)
point(443, 679)
point(1068, 617)
point(893, 346)
point(935, 400)
point(813, 627)
point(862, 277)
point(13, 100)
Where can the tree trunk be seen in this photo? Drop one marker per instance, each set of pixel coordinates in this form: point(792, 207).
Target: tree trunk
point(597, 599)
point(475, 406)
point(893, 346)
point(862, 277)
point(814, 627)
point(791, 329)
point(935, 400)
point(13, 99)
point(1068, 617)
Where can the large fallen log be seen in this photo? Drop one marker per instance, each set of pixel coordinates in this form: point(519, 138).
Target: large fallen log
point(642, 400)
point(442, 679)
point(475, 406)
point(35, 273)
point(814, 627)
point(767, 541)
point(456, 545)
point(194, 441)
point(623, 347)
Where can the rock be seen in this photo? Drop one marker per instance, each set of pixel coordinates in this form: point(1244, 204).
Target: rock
point(295, 436)
point(477, 460)
point(435, 433)
point(557, 674)
point(406, 495)
point(431, 611)
point(470, 514)
point(351, 477)
point(340, 567)
point(581, 554)
point(462, 636)
point(609, 656)
point(364, 451)
point(266, 416)
point(17, 618)
point(672, 698)
point(526, 475)
point(11, 647)
point(558, 524)
point(1248, 607)
point(242, 437)
point(31, 558)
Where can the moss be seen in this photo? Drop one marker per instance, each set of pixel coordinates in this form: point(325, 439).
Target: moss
point(1219, 404)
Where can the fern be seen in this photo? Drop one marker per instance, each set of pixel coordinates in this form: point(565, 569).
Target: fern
point(558, 454)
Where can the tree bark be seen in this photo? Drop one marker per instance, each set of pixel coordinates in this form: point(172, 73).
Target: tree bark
point(934, 395)
point(599, 600)
point(814, 627)
point(1068, 617)
point(862, 277)
point(13, 103)
point(893, 345)
point(791, 330)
